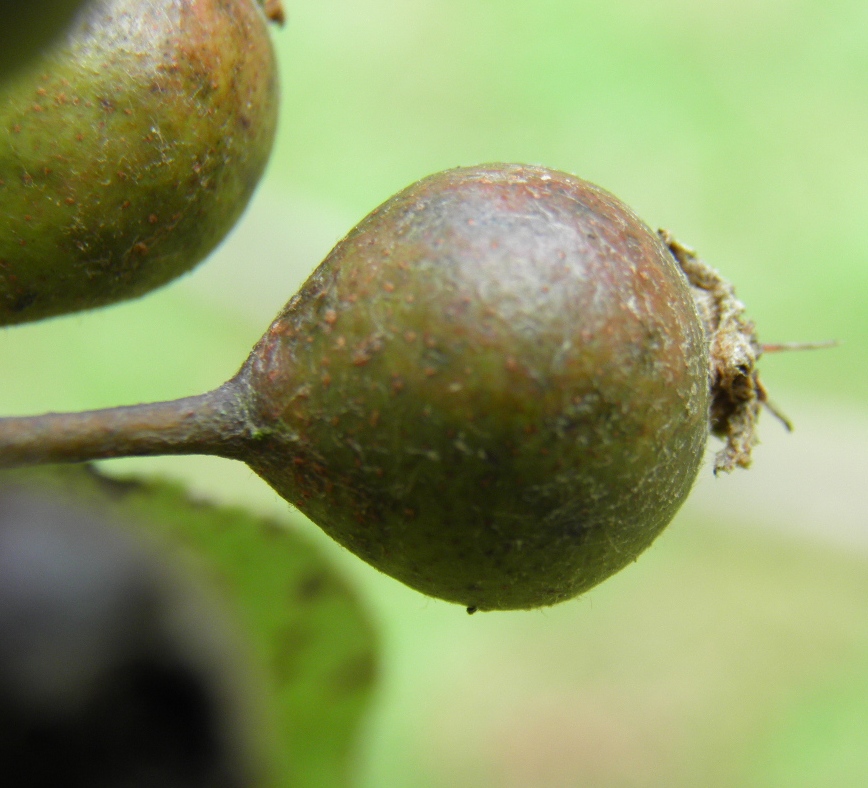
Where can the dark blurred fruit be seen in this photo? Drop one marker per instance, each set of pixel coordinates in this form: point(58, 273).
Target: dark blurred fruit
point(495, 389)
point(111, 669)
point(26, 26)
point(280, 644)
point(131, 148)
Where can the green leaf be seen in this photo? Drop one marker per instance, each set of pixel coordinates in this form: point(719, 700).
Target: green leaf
point(312, 646)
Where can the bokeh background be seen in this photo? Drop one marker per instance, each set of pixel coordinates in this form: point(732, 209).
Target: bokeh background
point(735, 652)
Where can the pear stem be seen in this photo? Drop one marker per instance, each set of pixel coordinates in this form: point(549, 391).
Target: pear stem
point(211, 423)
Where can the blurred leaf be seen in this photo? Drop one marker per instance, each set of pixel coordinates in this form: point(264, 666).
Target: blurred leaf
point(312, 643)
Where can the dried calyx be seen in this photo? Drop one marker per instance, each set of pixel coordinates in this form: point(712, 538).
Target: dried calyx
point(737, 393)
point(733, 350)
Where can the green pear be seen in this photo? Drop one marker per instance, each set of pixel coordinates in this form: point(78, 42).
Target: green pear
point(497, 388)
point(131, 147)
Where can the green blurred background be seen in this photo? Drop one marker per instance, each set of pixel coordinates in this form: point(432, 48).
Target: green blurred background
point(735, 653)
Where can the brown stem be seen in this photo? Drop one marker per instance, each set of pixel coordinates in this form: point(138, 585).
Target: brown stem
point(212, 423)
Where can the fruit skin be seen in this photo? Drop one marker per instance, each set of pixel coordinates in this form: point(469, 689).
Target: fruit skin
point(131, 149)
point(494, 389)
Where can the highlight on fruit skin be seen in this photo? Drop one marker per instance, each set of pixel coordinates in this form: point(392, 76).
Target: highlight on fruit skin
point(496, 389)
point(131, 147)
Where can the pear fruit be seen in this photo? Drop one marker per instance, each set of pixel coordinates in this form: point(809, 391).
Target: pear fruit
point(132, 145)
point(496, 388)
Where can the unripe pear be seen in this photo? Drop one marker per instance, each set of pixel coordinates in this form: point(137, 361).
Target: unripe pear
point(130, 149)
point(497, 389)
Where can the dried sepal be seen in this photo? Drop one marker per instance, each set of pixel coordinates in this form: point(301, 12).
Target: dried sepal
point(737, 394)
